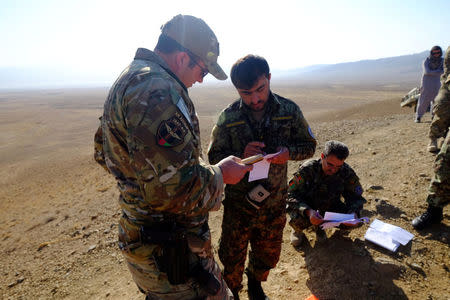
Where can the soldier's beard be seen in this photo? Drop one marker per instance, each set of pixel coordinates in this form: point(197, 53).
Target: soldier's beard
point(258, 107)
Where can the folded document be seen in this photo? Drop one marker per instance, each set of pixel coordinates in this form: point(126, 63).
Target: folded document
point(387, 235)
point(332, 219)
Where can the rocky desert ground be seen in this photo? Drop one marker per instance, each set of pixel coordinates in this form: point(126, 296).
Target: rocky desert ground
point(58, 208)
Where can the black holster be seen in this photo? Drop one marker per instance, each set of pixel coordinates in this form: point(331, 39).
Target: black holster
point(173, 259)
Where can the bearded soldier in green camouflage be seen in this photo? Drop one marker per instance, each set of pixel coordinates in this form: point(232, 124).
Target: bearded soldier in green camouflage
point(151, 144)
point(259, 122)
point(441, 108)
point(319, 186)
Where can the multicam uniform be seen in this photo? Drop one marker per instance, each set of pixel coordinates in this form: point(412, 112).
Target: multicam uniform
point(441, 109)
point(311, 188)
point(439, 190)
point(151, 144)
point(283, 124)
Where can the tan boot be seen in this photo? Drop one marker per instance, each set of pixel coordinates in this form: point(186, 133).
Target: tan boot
point(432, 146)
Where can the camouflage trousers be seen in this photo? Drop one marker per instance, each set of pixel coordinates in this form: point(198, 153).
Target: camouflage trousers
point(441, 109)
point(439, 190)
point(154, 283)
point(242, 226)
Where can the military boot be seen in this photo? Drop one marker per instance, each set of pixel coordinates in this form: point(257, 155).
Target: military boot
point(255, 291)
point(433, 215)
point(432, 146)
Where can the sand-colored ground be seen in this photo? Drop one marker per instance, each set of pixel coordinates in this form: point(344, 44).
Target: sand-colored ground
point(58, 208)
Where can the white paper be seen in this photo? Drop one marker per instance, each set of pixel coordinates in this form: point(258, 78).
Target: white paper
point(261, 168)
point(332, 216)
point(333, 219)
point(397, 233)
point(387, 235)
point(381, 239)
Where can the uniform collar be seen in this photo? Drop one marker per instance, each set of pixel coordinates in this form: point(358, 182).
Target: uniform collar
point(145, 54)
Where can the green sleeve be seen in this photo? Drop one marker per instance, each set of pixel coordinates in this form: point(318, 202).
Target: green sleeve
point(298, 193)
point(303, 142)
point(220, 145)
point(353, 193)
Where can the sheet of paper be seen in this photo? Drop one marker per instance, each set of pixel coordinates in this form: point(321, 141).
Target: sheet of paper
point(381, 239)
point(332, 216)
point(396, 233)
point(261, 168)
point(333, 219)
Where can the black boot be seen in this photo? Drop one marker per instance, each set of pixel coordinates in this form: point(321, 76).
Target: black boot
point(433, 215)
point(255, 291)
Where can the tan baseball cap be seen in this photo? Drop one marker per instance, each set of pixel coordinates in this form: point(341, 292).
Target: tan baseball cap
point(195, 35)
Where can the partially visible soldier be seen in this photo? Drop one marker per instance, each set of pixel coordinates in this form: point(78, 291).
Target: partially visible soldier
point(439, 190)
point(441, 109)
point(255, 212)
point(318, 186)
point(151, 145)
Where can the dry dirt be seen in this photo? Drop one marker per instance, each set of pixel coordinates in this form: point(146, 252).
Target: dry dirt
point(58, 208)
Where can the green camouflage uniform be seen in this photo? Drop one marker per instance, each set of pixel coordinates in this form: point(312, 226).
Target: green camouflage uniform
point(151, 145)
point(283, 124)
point(439, 190)
point(441, 109)
point(310, 188)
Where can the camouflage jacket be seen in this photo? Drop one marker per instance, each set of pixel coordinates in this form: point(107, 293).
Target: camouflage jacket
point(151, 144)
point(445, 77)
point(283, 124)
point(311, 188)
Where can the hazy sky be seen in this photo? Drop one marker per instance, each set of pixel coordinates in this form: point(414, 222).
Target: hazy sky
point(101, 37)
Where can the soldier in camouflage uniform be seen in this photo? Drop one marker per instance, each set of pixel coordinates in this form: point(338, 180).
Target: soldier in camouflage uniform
point(151, 145)
point(439, 190)
point(441, 109)
point(318, 186)
point(259, 122)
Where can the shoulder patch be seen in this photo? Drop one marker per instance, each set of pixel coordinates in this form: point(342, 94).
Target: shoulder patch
point(171, 132)
point(296, 180)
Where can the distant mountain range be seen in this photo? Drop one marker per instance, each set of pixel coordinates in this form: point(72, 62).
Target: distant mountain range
point(406, 69)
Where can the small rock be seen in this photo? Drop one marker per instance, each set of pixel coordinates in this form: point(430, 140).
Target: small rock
point(376, 187)
point(423, 175)
point(49, 219)
point(92, 247)
point(43, 245)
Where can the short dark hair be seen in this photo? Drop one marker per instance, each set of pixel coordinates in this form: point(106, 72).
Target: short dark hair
point(247, 70)
point(336, 148)
point(167, 45)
